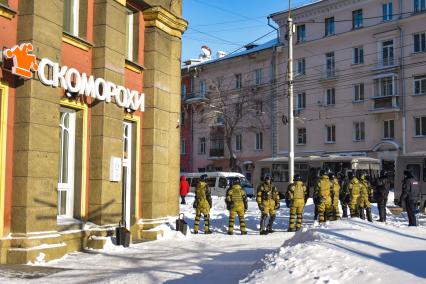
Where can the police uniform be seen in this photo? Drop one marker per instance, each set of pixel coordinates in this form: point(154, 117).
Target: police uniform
point(268, 201)
point(335, 191)
point(236, 201)
point(409, 195)
point(297, 196)
point(323, 193)
point(355, 193)
point(366, 192)
point(344, 196)
point(202, 205)
point(382, 192)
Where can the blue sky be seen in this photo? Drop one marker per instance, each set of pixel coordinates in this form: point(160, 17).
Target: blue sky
point(226, 25)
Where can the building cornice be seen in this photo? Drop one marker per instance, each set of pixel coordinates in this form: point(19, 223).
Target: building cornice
point(7, 12)
point(164, 20)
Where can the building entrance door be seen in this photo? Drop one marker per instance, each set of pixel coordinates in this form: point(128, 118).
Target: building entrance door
point(127, 173)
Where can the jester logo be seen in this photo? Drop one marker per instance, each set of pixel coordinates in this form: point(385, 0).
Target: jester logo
point(24, 63)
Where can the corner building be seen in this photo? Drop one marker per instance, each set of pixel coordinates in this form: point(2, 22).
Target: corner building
point(73, 166)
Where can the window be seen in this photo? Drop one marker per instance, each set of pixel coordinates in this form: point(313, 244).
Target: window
point(301, 101)
point(389, 129)
point(203, 88)
point(359, 92)
point(420, 85)
point(415, 169)
point(258, 75)
point(259, 141)
point(387, 11)
point(238, 142)
point(301, 66)
point(329, 65)
point(301, 33)
point(132, 35)
point(359, 131)
point(75, 17)
point(358, 55)
point(202, 145)
point(357, 19)
point(386, 87)
point(182, 118)
point(420, 42)
point(387, 53)
point(66, 163)
point(183, 90)
point(182, 146)
point(330, 97)
point(329, 26)
point(330, 135)
point(301, 136)
point(419, 5)
point(280, 172)
point(259, 108)
point(238, 110)
point(420, 126)
point(238, 81)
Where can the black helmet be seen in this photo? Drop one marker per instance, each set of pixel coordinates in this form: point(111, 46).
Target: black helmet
point(331, 175)
point(408, 174)
point(350, 175)
point(383, 173)
point(236, 180)
point(361, 174)
point(203, 177)
point(321, 172)
point(297, 177)
point(267, 177)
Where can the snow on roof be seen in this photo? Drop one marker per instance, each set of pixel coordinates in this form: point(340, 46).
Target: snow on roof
point(263, 46)
point(297, 7)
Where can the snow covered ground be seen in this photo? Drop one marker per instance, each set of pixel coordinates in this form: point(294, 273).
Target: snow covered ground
point(347, 251)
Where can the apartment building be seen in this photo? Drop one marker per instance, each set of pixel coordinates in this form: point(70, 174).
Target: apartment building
point(83, 121)
point(227, 106)
point(360, 78)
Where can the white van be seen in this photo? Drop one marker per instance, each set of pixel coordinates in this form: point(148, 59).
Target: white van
point(219, 182)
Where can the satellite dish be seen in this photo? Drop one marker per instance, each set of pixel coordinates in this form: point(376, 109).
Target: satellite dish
point(207, 52)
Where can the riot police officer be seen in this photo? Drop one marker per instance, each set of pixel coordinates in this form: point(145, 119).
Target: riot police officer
point(268, 201)
point(344, 195)
point(202, 205)
point(236, 203)
point(382, 192)
point(355, 194)
point(297, 198)
point(335, 191)
point(323, 194)
point(365, 196)
point(410, 191)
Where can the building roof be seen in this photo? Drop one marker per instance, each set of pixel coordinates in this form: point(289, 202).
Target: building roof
point(263, 46)
point(297, 7)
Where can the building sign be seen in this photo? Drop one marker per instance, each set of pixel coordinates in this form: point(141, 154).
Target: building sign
point(71, 80)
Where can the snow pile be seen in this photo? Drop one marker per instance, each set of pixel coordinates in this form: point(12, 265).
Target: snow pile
point(347, 251)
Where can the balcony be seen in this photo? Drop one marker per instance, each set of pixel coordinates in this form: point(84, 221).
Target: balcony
point(194, 98)
point(217, 153)
point(329, 74)
point(383, 104)
point(385, 63)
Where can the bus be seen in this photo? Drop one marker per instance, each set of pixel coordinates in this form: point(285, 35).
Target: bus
point(415, 163)
point(308, 168)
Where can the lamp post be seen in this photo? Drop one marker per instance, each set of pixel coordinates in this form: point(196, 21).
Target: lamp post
point(290, 28)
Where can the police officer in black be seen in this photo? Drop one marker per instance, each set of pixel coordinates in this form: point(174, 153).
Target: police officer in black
point(345, 195)
point(410, 191)
point(382, 192)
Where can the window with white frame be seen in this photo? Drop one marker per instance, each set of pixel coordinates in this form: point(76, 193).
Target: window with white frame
point(387, 9)
point(238, 81)
point(301, 33)
point(330, 97)
point(387, 53)
point(419, 42)
point(301, 101)
point(389, 129)
point(359, 92)
point(420, 85)
point(203, 88)
point(75, 17)
point(259, 141)
point(238, 142)
point(357, 19)
point(259, 107)
point(420, 126)
point(329, 26)
point(386, 87)
point(202, 145)
point(132, 35)
point(301, 136)
point(182, 146)
point(258, 76)
point(359, 131)
point(66, 162)
point(301, 66)
point(358, 55)
point(330, 133)
point(419, 5)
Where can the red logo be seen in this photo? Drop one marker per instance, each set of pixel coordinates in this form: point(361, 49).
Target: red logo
point(24, 63)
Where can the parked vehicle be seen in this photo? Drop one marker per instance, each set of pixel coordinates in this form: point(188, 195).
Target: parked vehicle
point(219, 182)
point(309, 167)
point(416, 163)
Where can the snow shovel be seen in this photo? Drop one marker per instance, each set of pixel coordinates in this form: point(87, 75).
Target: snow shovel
point(181, 224)
point(122, 235)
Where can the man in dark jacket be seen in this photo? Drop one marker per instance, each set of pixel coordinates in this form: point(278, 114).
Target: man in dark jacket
point(345, 195)
point(410, 192)
point(382, 192)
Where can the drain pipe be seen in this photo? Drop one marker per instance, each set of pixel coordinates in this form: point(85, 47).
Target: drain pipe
point(403, 94)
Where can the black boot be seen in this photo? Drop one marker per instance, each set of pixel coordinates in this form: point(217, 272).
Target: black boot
point(369, 217)
point(361, 213)
point(262, 224)
point(271, 222)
